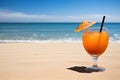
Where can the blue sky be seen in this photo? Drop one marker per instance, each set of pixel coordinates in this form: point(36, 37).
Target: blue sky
point(59, 10)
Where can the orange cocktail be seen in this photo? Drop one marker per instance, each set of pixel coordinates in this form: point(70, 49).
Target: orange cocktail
point(95, 42)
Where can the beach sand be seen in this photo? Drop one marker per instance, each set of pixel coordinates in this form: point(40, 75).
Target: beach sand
point(52, 61)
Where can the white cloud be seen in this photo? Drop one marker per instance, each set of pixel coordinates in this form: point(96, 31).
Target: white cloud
point(20, 15)
point(109, 18)
point(9, 16)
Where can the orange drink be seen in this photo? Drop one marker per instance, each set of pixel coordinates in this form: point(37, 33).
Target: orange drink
point(95, 42)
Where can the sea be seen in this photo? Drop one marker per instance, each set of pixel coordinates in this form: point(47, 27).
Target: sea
point(50, 32)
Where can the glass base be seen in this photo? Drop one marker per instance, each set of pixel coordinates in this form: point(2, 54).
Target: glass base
point(95, 69)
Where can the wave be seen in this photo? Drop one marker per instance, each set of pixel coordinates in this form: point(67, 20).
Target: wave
point(36, 41)
point(42, 38)
point(115, 38)
point(46, 41)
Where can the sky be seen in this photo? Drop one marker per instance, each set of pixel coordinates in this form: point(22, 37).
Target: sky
point(59, 10)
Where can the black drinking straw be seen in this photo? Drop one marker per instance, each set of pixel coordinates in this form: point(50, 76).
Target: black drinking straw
point(102, 23)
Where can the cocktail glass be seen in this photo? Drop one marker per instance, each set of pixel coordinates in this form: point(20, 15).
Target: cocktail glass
point(95, 43)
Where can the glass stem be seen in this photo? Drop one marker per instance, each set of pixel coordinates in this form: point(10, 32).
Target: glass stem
point(95, 61)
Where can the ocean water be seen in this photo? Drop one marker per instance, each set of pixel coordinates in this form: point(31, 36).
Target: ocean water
point(50, 32)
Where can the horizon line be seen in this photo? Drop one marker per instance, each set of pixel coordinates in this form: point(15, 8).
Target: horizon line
point(55, 22)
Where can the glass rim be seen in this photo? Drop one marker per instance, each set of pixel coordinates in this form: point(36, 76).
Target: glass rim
point(96, 28)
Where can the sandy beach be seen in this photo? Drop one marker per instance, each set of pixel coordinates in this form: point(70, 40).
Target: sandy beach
point(52, 61)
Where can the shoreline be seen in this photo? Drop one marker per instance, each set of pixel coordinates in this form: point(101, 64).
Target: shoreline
point(59, 41)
